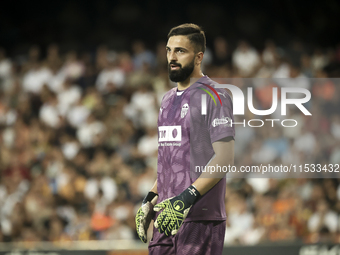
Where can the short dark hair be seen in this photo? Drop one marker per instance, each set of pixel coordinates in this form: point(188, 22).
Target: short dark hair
point(194, 33)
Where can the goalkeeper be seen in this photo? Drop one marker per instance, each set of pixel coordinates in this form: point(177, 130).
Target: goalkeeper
point(188, 207)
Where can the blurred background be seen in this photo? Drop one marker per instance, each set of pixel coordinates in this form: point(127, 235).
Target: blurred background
point(80, 88)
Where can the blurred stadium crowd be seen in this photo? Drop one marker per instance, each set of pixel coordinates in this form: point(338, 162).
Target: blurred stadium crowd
point(78, 142)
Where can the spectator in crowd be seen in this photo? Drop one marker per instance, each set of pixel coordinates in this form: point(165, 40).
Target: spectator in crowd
point(112, 78)
point(222, 54)
point(142, 56)
point(246, 59)
point(5, 65)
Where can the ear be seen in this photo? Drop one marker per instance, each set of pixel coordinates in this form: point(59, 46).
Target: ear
point(199, 58)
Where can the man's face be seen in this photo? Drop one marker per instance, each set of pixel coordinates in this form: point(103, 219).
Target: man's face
point(181, 58)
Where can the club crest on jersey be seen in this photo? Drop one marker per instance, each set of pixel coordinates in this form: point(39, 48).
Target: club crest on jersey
point(184, 110)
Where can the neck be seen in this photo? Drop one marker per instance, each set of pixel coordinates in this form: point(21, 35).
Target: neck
point(190, 80)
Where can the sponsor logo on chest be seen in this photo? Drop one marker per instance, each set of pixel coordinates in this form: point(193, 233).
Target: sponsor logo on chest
point(169, 133)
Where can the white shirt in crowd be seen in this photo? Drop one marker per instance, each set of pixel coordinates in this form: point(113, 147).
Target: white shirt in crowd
point(246, 61)
point(5, 68)
point(115, 76)
point(56, 82)
point(68, 97)
point(73, 69)
point(106, 184)
point(35, 79)
point(50, 115)
point(141, 110)
point(88, 131)
point(330, 220)
point(77, 115)
point(240, 223)
point(148, 145)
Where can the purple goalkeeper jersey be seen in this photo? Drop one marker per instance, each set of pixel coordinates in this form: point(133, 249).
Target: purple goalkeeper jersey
point(185, 138)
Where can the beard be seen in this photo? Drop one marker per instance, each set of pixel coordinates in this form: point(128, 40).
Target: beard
point(182, 73)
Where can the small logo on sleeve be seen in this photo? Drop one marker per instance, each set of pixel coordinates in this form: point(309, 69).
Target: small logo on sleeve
point(223, 121)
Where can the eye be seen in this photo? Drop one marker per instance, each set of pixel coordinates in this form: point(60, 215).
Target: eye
point(168, 50)
point(180, 51)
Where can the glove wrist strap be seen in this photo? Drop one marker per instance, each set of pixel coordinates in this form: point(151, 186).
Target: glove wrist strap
point(151, 195)
point(191, 195)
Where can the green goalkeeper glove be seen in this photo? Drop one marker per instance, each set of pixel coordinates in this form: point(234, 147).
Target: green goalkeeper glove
point(145, 214)
point(175, 210)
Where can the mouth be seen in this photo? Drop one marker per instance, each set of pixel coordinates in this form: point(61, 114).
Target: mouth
point(174, 67)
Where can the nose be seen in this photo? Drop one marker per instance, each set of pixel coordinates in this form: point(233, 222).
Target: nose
point(172, 56)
